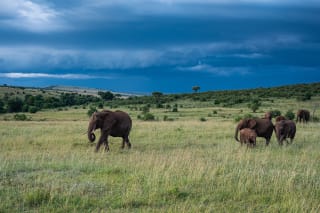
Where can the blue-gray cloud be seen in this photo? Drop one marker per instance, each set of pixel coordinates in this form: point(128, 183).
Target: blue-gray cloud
point(158, 37)
point(18, 75)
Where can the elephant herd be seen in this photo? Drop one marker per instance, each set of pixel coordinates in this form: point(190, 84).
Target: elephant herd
point(119, 123)
point(284, 128)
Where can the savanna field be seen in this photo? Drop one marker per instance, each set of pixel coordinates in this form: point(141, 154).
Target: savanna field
point(189, 163)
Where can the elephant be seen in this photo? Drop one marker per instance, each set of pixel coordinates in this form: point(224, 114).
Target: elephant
point(116, 124)
point(248, 136)
point(303, 115)
point(285, 129)
point(263, 127)
point(268, 115)
point(280, 118)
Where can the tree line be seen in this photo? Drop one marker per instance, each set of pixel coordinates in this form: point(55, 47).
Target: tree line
point(33, 103)
point(251, 97)
point(229, 98)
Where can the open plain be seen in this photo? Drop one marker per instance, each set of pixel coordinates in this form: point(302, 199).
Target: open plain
point(191, 163)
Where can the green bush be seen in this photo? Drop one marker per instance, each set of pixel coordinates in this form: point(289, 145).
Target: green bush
point(275, 113)
point(239, 117)
point(254, 104)
point(149, 117)
point(91, 111)
point(166, 118)
point(145, 109)
point(290, 115)
point(203, 119)
point(175, 108)
point(100, 105)
point(146, 117)
point(20, 117)
point(33, 109)
point(315, 119)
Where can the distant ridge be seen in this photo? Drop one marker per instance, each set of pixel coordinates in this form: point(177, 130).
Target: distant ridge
point(87, 91)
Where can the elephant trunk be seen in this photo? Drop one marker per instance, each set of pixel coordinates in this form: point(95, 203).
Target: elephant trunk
point(236, 133)
point(91, 135)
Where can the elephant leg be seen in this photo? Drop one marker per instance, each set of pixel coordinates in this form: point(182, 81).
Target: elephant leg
point(123, 142)
point(280, 142)
point(106, 146)
point(103, 139)
point(287, 141)
point(128, 142)
point(267, 141)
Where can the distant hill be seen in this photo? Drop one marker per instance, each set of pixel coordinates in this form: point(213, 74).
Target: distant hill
point(27, 99)
point(56, 90)
point(86, 91)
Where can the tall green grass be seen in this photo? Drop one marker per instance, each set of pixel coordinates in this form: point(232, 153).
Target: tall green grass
point(47, 165)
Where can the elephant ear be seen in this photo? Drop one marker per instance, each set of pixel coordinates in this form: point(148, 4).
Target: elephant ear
point(252, 123)
point(108, 119)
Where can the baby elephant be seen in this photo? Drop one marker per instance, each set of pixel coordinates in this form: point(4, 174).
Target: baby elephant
point(285, 129)
point(248, 136)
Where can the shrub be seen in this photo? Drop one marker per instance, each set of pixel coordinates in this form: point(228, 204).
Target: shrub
point(290, 115)
point(166, 118)
point(254, 104)
point(33, 109)
point(25, 108)
point(146, 117)
point(305, 97)
point(203, 119)
point(238, 118)
point(15, 105)
point(149, 117)
point(275, 113)
point(91, 111)
point(159, 106)
point(315, 119)
point(145, 109)
point(175, 108)
point(20, 117)
point(100, 105)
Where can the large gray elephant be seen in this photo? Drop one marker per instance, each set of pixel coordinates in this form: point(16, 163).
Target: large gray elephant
point(285, 129)
point(263, 127)
point(116, 124)
point(303, 115)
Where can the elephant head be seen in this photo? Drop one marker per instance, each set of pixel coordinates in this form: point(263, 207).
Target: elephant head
point(285, 129)
point(93, 125)
point(268, 115)
point(244, 123)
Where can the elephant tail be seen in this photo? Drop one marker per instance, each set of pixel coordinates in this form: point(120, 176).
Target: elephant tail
point(236, 134)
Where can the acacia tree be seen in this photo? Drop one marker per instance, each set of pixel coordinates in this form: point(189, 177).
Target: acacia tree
point(107, 96)
point(254, 104)
point(195, 88)
point(157, 96)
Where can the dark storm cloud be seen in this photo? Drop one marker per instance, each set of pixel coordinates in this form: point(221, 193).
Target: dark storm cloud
point(158, 38)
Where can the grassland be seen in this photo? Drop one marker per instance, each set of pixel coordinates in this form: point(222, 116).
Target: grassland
point(185, 165)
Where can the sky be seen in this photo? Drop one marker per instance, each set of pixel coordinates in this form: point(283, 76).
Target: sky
point(169, 46)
